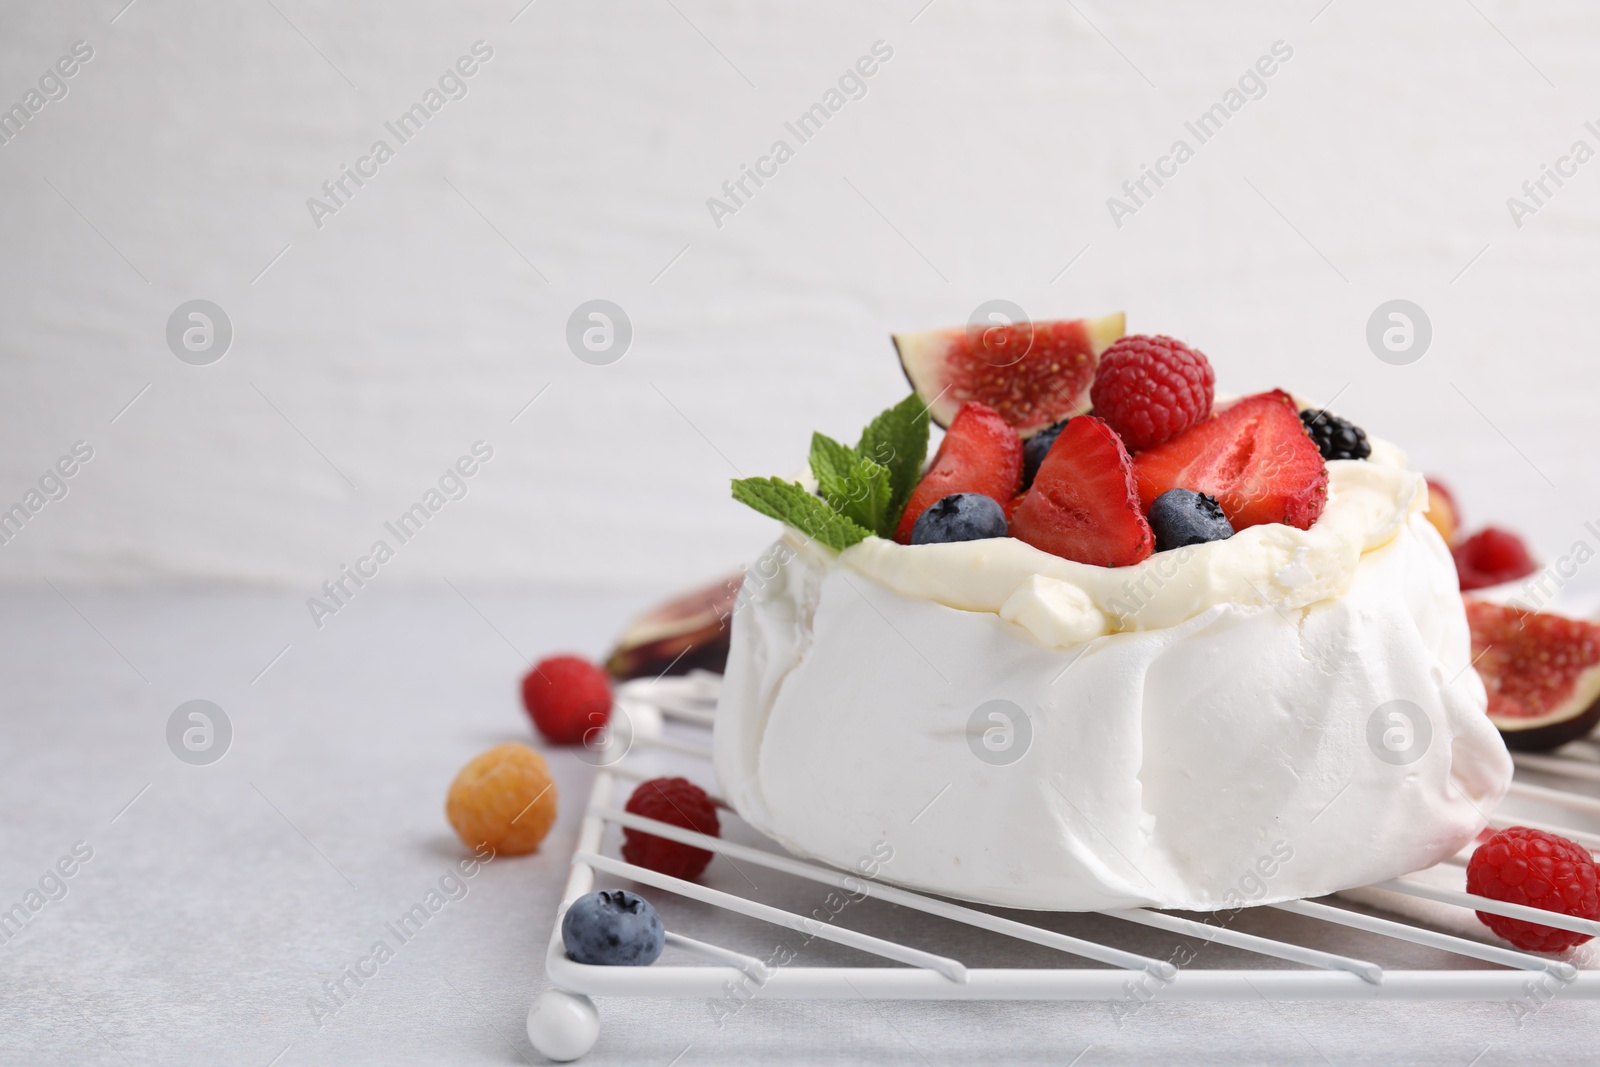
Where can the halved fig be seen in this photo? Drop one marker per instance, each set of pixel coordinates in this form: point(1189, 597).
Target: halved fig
point(1542, 672)
point(1033, 373)
point(689, 632)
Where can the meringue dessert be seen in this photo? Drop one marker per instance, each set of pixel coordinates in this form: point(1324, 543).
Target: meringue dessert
point(1172, 652)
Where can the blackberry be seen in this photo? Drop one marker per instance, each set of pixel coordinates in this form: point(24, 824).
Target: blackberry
point(1336, 438)
point(1035, 448)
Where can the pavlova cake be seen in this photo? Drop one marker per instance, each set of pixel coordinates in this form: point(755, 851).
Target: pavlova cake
point(1120, 643)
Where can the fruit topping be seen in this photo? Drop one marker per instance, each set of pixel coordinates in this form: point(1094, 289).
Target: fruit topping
point(1149, 389)
point(687, 633)
point(503, 798)
point(1537, 870)
point(567, 697)
point(1253, 456)
point(1084, 504)
point(678, 802)
point(1035, 448)
point(1542, 672)
point(613, 928)
point(1182, 517)
point(1337, 438)
point(1442, 510)
point(980, 453)
point(960, 517)
point(1490, 557)
point(1032, 373)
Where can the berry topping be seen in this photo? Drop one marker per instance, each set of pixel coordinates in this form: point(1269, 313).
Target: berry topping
point(1537, 870)
point(1542, 673)
point(1031, 373)
point(1084, 504)
point(504, 798)
point(1149, 389)
point(678, 802)
point(1337, 438)
point(1035, 448)
point(960, 517)
point(567, 697)
point(979, 454)
point(1182, 517)
point(1492, 556)
point(1443, 511)
point(1253, 456)
point(613, 928)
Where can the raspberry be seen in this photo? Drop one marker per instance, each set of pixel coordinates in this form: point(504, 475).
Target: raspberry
point(677, 802)
point(1151, 388)
point(568, 698)
point(503, 798)
point(1539, 870)
point(1490, 557)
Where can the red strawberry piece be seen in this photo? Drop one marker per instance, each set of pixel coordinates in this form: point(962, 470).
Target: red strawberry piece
point(568, 698)
point(1254, 457)
point(677, 802)
point(1492, 556)
point(980, 453)
point(1151, 389)
point(1084, 503)
point(1537, 870)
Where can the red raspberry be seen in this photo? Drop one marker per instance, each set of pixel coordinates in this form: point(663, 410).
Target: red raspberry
point(1492, 556)
point(567, 697)
point(1539, 870)
point(678, 802)
point(1151, 388)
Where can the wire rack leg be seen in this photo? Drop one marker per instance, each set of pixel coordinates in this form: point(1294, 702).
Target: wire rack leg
point(563, 1025)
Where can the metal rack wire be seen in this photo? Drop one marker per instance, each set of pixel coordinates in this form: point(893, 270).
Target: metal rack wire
point(563, 1022)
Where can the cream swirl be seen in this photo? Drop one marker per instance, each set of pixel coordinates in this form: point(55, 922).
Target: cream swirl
point(1062, 603)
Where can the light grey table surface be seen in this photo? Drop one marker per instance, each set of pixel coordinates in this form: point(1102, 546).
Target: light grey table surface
point(219, 898)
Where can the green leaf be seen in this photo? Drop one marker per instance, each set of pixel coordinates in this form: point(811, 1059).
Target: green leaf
point(790, 504)
point(830, 464)
point(898, 439)
point(864, 498)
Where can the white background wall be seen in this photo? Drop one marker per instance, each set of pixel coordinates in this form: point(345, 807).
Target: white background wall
point(378, 348)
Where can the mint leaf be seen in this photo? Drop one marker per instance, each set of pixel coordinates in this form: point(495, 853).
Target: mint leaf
point(831, 463)
point(864, 496)
point(790, 504)
point(898, 439)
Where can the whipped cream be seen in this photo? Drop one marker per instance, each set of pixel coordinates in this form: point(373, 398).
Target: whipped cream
point(1196, 731)
point(1062, 603)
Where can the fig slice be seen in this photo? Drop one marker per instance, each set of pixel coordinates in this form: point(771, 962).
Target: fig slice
point(689, 632)
point(1033, 373)
point(1542, 672)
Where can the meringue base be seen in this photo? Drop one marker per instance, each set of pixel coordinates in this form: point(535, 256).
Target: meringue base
point(1249, 754)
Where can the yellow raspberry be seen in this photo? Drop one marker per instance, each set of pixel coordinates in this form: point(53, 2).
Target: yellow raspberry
point(504, 798)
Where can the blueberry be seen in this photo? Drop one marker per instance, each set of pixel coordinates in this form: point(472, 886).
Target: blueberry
point(613, 928)
point(1184, 517)
point(1035, 448)
point(959, 517)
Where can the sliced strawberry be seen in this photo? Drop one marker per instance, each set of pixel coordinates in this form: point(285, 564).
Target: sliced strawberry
point(980, 453)
point(1254, 456)
point(1084, 503)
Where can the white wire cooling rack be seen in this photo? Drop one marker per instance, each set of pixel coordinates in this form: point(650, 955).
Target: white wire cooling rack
point(563, 1022)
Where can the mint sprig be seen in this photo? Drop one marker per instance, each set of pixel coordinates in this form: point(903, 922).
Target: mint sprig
point(898, 440)
point(790, 504)
point(862, 490)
